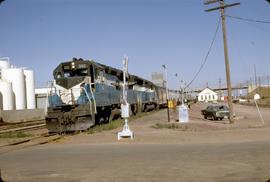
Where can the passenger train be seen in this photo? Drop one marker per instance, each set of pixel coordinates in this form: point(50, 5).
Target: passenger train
point(86, 93)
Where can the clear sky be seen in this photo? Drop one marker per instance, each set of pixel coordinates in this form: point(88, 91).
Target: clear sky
point(39, 34)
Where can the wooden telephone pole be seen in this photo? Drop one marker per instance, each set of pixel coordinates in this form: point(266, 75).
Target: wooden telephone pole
point(222, 6)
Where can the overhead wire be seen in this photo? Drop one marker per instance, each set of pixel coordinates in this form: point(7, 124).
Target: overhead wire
point(207, 55)
point(246, 19)
point(250, 22)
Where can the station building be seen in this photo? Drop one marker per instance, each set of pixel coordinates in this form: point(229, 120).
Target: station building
point(207, 95)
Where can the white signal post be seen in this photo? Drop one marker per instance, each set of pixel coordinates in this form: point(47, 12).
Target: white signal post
point(257, 97)
point(126, 132)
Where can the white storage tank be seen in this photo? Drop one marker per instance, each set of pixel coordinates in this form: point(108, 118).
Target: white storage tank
point(16, 76)
point(30, 89)
point(4, 64)
point(7, 95)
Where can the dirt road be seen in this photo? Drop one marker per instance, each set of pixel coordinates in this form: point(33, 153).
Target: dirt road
point(202, 150)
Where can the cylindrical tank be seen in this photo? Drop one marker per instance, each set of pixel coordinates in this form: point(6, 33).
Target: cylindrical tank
point(7, 95)
point(30, 89)
point(16, 76)
point(4, 64)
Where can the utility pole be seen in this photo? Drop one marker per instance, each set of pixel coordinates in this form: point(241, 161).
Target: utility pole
point(268, 85)
point(259, 86)
point(219, 82)
point(222, 7)
point(255, 74)
point(180, 88)
point(247, 90)
point(167, 93)
point(182, 92)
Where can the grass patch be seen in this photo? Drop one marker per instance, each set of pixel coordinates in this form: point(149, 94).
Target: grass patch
point(264, 102)
point(17, 134)
point(108, 126)
point(116, 123)
point(166, 125)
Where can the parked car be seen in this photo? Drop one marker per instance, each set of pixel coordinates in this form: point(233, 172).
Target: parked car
point(216, 112)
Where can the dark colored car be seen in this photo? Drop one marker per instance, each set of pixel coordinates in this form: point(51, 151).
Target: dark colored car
point(216, 112)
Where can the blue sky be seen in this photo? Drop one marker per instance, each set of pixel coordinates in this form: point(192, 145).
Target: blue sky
point(39, 34)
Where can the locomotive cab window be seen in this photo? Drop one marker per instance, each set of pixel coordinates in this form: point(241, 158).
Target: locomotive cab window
point(66, 67)
point(78, 72)
point(101, 76)
point(83, 72)
point(66, 74)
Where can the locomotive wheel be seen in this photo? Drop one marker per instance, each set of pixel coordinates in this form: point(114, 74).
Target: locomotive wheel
point(107, 114)
point(134, 109)
point(97, 119)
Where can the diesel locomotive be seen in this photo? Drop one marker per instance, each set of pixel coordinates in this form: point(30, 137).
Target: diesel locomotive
point(85, 93)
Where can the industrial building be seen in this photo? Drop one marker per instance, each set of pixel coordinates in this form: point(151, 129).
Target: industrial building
point(158, 79)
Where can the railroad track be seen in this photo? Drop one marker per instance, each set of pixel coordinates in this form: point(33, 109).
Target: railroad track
point(38, 126)
point(14, 143)
point(33, 125)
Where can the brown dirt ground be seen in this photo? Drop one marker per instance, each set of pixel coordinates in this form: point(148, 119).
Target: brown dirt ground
point(247, 127)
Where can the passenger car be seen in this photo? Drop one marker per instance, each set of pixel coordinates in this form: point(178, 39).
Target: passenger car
point(216, 112)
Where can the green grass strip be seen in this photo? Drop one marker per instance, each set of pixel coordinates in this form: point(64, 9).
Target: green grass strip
point(15, 134)
point(116, 123)
point(166, 125)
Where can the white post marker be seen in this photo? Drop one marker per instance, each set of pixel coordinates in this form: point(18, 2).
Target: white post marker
point(257, 97)
point(183, 114)
point(126, 132)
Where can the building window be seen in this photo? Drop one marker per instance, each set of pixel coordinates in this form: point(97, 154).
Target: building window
point(201, 97)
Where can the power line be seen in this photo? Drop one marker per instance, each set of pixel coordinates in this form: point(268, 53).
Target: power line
point(206, 57)
point(246, 19)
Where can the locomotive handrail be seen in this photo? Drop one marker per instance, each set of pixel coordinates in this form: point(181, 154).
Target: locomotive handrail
point(93, 98)
point(90, 102)
point(49, 91)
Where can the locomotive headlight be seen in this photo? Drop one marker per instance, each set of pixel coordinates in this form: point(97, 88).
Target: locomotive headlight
point(58, 75)
point(72, 65)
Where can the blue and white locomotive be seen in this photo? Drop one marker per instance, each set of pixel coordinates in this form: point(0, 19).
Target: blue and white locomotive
point(86, 93)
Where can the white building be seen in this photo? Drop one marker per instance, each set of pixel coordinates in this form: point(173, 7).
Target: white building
point(207, 95)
